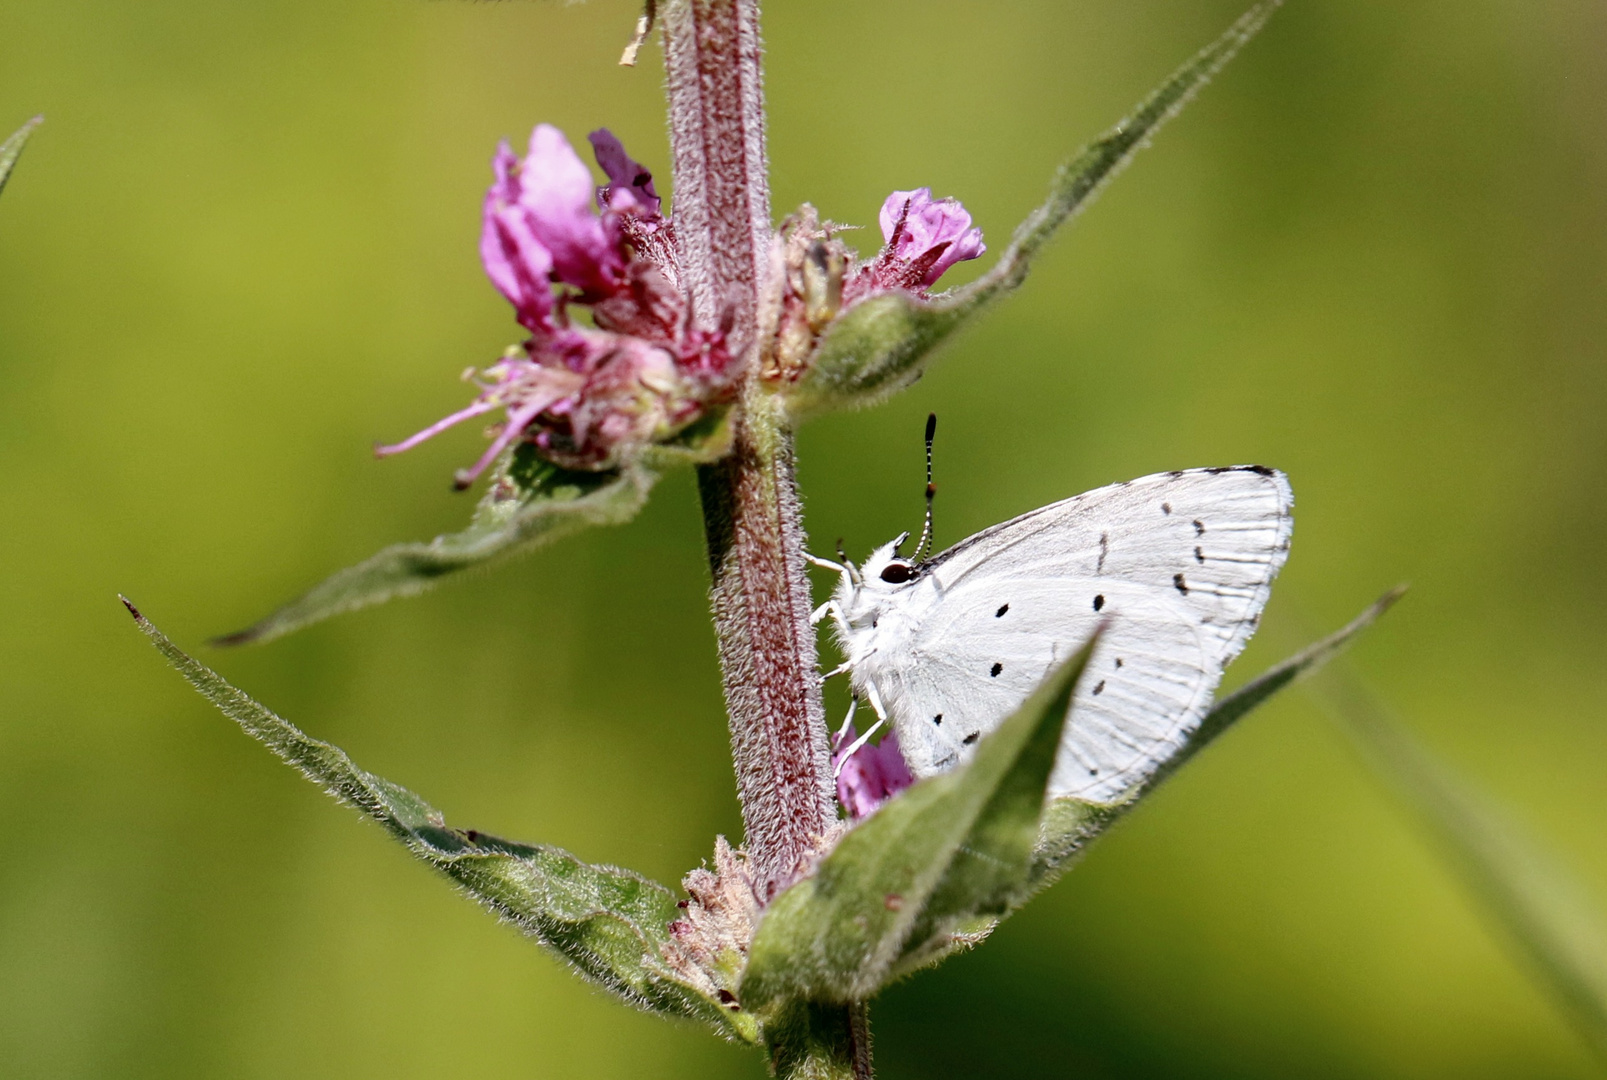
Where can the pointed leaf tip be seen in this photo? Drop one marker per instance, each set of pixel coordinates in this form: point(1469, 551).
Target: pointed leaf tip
point(528, 503)
point(11, 149)
point(132, 610)
point(906, 883)
point(610, 925)
point(880, 345)
point(1069, 824)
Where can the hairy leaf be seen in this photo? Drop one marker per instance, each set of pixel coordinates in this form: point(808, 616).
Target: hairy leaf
point(529, 503)
point(11, 149)
point(1069, 824)
point(946, 852)
point(1540, 908)
point(609, 925)
point(878, 346)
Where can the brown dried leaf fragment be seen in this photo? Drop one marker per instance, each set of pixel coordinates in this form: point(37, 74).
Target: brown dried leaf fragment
point(708, 945)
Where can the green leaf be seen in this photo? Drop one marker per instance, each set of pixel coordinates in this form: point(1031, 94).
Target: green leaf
point(11, 149)
point(945, 853)
point(1069, 824)
point(610, 925)
point(1557, 931)
point(529, 503)
point(877, 347)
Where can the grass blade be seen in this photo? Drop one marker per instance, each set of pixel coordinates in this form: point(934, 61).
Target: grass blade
point(1536, 905)
point(879, 345)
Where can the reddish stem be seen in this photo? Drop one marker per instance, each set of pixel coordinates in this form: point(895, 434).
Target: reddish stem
point(750, 501)
point(760, 593)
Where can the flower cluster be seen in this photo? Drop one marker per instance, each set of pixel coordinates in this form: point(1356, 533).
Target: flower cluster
point(817, 276)
point(592, 396)
point(589, 397)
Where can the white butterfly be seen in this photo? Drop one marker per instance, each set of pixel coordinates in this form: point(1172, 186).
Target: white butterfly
point(1177, 566)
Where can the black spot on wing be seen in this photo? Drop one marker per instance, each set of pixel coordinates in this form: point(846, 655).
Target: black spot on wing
point(1259, 470)
point(971, 738)
point(1099, 602)
point(1199, 527)
point(1181, 585)
point(1199, 556)
point(993, 672)
point(1002, 609)
point(1104, 549)
point(1166, 508)
point(938, 719)
point(1118, 661)
point(1100, 688)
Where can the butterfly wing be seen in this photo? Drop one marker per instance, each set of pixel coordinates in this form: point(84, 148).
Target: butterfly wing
point(1176, 566)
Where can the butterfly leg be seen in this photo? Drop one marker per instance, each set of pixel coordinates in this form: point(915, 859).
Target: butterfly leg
point(853, 706)
point(841, 669)
point(854, 747)
point(875, 700)
point(826, 564)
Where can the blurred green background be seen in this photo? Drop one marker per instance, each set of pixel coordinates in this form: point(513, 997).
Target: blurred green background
point(243, 248)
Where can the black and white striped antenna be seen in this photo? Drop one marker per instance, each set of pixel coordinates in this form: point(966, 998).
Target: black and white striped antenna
point(931, 490)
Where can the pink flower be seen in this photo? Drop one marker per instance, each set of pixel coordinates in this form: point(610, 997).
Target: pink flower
point(587, 398)
point(871, 776)
point(924, 237)
point(539, 224)
point(819, 276)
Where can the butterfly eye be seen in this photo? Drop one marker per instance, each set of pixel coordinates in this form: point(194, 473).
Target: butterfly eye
point(897, 573)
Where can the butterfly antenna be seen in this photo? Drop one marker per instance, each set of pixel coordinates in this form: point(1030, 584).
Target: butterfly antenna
point(931, 490)
point(848, 564)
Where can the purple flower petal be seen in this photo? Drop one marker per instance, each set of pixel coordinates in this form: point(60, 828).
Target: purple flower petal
point(629, 185)
point(928, 235)
point(556, 196)
point(871, 775)
point(517, 263)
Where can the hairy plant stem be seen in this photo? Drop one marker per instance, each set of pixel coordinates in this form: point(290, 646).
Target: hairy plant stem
point(752, 515)
point(821, 1042)
point(761, 599)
